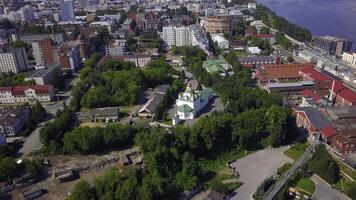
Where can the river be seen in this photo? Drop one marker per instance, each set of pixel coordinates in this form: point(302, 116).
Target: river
point(321, 17)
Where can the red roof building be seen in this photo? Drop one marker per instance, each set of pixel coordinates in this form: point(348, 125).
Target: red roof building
point(341, 93)
point(26, 93)
point(280, 72)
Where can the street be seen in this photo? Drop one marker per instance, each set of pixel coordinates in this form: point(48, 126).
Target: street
point(325, 192)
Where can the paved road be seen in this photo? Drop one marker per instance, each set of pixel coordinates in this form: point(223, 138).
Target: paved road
point(325, 192)
point(280, 183)
point(255, 168)
point(32, 142)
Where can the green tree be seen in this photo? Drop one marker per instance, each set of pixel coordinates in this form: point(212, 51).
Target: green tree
point(324, 165)
point(82, 191)
point(277, 121)
point(8, 168)
point(187, 178)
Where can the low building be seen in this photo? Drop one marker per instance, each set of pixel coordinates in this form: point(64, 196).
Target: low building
point(13, 120)
point(148, 110)
point(98, 24)
point(219, 66)
point(337, 91)
point(26, 94)
point(190, 103)
point(280, 73)
point(221, 41)
point(57, 38)
point(43, 76)
point(108, 114)
point(254, 50)
point(140, 60)
point(345, 141)
point(289, 88)
point(311, 120)
point(269, 37)
point(254, 61)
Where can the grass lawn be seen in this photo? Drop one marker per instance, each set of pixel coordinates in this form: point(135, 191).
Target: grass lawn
point(346, 170)
point(93, 124)
point(126, 109)
point(344, 185)
point(306, 185)
point(217, 170)
point(296, 151)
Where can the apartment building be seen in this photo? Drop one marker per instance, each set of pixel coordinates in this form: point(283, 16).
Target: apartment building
point(117, 48)
point(13, 60)
point(69, 56)
point(44, 52)
point(177, 36)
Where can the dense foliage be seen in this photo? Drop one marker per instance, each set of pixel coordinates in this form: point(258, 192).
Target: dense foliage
point(117, 83)
point(11, 79)
point(91, 140)
point(9, 169)
point(323, 164)
point(281, 24)
point(51, 134)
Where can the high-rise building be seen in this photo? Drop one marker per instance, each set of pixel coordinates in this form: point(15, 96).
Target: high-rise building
point(332, 45)
point(177, 36)
point(66, 10)
point(44, 52)
point(13, 60)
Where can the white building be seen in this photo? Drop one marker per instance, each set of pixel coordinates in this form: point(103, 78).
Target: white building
point(140, 60)
point(177, 36)
point(254, 50)
point(349, 57)
point(26, 94)
point(221, 41)
point(13, 60)
point(97, 24)
point(116, 48)
point(190, 103)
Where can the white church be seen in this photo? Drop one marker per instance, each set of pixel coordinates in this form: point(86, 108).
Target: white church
point(191, 102)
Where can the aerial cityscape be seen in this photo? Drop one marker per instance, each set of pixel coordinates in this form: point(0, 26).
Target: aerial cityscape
point(177, 99)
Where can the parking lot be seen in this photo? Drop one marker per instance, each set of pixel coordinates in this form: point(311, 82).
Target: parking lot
point(255, 168)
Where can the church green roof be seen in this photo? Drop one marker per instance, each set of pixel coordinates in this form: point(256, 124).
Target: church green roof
point(184, 108)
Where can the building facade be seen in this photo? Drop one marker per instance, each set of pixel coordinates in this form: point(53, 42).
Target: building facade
point(177, 36)
point(26, 94)
point(332, 45)
point(117, 48)
point(13, 60)
point(350, 58)
point(218, 24)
